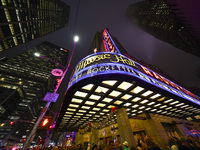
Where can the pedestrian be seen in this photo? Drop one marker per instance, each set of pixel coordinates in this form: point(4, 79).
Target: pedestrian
point(118, 146)
point(149, 144)
point(126, 145)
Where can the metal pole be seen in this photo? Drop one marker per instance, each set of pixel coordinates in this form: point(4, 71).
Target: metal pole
point(48, 135)
point(28, 141)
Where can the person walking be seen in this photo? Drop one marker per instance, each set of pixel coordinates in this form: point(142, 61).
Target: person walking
point(126, 145)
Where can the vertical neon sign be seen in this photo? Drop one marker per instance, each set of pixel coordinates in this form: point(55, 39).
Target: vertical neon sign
point(109, 43)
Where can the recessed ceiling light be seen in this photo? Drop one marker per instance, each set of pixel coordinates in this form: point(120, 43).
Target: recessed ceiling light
point(69, 109)
point(88, 87)
point(127, 104)
point(144, 101)
point(96, 109)
point(125, 85)
point(115, 93)
point(151, 103)
point(89, 103)
point(134, 106)
point(153, 109)
point(73, 105)
point(147, 93)
point(95, 97)
point(80, 94)
point(157, 105)
point(81, 110)
point(155, 96)
point(109, 82)
point(108, 100)
point(79, 114)
point(105, 110)
point(118, 102)
point(75, 100)
point(163, 106)
point(168, 108)
point(174, 102)
point(142, 107)
point(126, 96)
point(85, 107)
point(137, 89)
point(101, 105)
point(167, 101)
point(111, 106)
point(101, 89)
point(136, 99)
point(69, 112)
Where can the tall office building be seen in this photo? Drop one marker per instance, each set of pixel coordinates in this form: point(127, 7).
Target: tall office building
point(24, 81)
point(22, 21)
point(167, 22)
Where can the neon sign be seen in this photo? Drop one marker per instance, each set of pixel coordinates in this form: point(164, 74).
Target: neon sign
point(109, 43)
point(112, 63)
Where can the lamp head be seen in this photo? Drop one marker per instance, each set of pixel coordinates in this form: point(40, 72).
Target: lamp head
point(37, 54)
point(76, 38)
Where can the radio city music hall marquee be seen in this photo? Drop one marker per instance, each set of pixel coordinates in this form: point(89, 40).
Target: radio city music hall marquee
point(114, 63)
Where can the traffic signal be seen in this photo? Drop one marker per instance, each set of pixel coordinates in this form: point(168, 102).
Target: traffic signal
point(50, 127)
point(46, 122)
point(11, 123)
point(57, 83)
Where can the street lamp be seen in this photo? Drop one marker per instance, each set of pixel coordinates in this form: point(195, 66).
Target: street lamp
point(76, 38)
point(38, 55)
point(32, 134)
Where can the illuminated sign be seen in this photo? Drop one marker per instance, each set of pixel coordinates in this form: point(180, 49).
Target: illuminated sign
point(51, 97)
point(109, 43)
point(57, 72)
point(112, 63)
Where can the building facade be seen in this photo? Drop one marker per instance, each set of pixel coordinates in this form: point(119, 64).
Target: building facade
point(171, 22)
point(111, 96)
point(26, 79)
point(22, 21)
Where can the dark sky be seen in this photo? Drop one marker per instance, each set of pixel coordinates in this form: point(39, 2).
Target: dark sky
point(96, 15)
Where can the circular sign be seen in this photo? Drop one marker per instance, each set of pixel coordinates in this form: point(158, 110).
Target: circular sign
point(57, 72)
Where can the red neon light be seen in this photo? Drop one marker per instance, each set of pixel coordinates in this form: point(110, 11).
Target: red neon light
point(109, 42)
point(11, 122)
point(146, 71)
point(153, 74)
point(45, 122)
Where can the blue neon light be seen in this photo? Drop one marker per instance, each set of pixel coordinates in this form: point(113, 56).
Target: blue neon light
point(113, 42)
point(136, 74)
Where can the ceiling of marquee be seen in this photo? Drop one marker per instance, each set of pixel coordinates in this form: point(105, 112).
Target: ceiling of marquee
point(92, 101)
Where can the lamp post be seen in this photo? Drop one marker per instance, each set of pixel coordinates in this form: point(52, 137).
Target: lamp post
point(32, 134)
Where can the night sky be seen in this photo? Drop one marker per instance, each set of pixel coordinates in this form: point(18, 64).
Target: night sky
point(96, 15)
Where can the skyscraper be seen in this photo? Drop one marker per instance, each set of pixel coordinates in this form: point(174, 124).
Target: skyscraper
point(26, 79)
point(162, 20)
point(22, 21)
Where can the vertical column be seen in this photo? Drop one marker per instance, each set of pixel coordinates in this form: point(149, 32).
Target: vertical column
point(94, 136)
point(183, 129)
point(125, 131)
point(79, 139)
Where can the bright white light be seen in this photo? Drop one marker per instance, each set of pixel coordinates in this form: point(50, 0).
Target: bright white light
point(76, 38)
point(37, 54)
